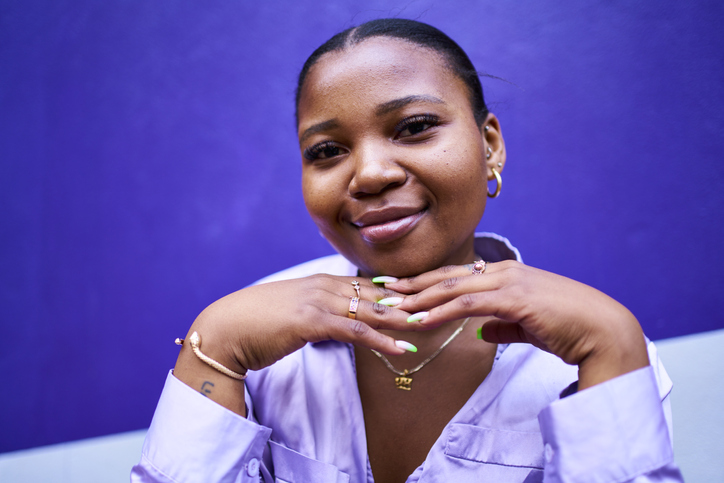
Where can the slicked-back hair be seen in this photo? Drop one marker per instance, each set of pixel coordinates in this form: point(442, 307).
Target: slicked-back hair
point(412, 31)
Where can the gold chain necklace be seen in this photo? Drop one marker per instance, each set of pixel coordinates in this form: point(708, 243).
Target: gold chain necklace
point(404, 381)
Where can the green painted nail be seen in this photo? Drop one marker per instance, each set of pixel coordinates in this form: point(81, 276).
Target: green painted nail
point(405, 345)
point(384, 279)
point(480, 333)
point(418, 317)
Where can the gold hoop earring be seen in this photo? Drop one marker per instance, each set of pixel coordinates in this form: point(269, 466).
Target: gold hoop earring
point(499, 182)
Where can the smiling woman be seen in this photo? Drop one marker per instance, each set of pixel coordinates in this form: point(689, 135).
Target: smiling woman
point(379, 117)
point(397, 147)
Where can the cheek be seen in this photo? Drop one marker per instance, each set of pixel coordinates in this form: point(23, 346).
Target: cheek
point(459, 174)
point(320, 202)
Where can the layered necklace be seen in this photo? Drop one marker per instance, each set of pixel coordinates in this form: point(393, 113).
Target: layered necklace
point(404, 379)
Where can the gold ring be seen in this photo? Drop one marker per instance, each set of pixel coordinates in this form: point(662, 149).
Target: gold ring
point(479, 267)
point(353, 304)
point(355, 284)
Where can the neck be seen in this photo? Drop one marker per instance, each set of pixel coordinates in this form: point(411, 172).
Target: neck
point(409, 264)
point(428, 341)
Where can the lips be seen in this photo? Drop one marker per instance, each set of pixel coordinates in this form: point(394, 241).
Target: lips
point(388, 224)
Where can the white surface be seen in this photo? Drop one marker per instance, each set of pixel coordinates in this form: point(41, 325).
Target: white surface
point(97, 460)
point(695, 364)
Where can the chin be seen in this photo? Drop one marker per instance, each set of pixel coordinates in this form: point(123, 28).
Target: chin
point(407, 257)
point(393, 264)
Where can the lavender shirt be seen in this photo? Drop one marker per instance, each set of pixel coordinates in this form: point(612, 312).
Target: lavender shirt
point(306, 422)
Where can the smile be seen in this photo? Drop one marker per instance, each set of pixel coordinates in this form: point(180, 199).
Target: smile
point(388, 225)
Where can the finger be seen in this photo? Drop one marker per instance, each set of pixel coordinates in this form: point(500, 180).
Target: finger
point(337, 297)
point(449, 289)
point(376, 294)
point(481, 304)
point(330, 288)
point(359, 333)
point(376, 315)
point(370, 291)
point(411, 285)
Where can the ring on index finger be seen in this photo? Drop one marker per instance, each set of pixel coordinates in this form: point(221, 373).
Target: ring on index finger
point(353, 304)
point(479, 267)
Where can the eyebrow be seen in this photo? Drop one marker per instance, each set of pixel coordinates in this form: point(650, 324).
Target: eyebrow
point(396, 104)
point(381, 110)
point(322, 126)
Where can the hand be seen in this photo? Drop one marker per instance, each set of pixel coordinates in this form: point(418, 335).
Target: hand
point(263, 323)
point(578, 323)
point(257, 326)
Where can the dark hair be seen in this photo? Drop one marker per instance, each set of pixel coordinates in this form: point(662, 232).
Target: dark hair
point(412, 31)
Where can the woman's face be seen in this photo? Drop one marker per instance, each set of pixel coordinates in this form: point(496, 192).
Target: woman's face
point(394, 169)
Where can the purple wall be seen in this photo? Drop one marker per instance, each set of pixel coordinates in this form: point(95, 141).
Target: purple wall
point(148, 166)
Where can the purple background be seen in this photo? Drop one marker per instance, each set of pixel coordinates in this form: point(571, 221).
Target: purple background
point(149, 166)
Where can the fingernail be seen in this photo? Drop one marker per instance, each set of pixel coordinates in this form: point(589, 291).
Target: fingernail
point(384, 279)
point(405, 345)
point(418, 317)
point(480, 333)
point(391, 301)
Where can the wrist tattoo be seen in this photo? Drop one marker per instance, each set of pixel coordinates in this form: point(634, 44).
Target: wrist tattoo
point(206, 388)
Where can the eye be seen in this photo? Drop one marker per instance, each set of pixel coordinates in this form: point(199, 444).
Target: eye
point(414, 125)
point(324, 150)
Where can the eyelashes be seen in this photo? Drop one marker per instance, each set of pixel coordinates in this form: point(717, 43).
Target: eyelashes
point(417, 124)
point(323, 150)
point(410, 129)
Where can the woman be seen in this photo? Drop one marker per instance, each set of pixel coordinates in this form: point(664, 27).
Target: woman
point(397, 145)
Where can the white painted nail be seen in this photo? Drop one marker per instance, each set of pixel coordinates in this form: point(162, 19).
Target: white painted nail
point(384, 279)
point(405, 345)
point(391, 301)
point(417, 317)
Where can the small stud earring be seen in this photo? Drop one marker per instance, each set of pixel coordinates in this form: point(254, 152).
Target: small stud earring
point(487, 128)
point(500, 165)
point(489, 153)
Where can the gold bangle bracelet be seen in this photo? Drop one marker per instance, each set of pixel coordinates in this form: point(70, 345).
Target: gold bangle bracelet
point(195, 341)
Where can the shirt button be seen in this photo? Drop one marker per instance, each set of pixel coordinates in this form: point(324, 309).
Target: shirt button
point(252, 469)
point(548, 452)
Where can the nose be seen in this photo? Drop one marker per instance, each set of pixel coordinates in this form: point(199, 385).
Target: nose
point(375, 171)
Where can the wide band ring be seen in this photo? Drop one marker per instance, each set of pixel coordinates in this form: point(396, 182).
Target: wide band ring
point(353, 304)
point(479, 267)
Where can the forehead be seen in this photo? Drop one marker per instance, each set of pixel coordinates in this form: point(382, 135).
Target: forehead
point(373, 72)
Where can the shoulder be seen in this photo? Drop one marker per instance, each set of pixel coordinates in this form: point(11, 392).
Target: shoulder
point(332, 264)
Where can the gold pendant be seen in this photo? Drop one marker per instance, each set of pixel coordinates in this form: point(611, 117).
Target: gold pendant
point(403, 382)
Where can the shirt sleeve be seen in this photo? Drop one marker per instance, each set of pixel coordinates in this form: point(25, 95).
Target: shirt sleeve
point(192, 438)
point(616, 431)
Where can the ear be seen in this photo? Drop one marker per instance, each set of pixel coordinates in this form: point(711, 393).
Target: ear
point(493, 139)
